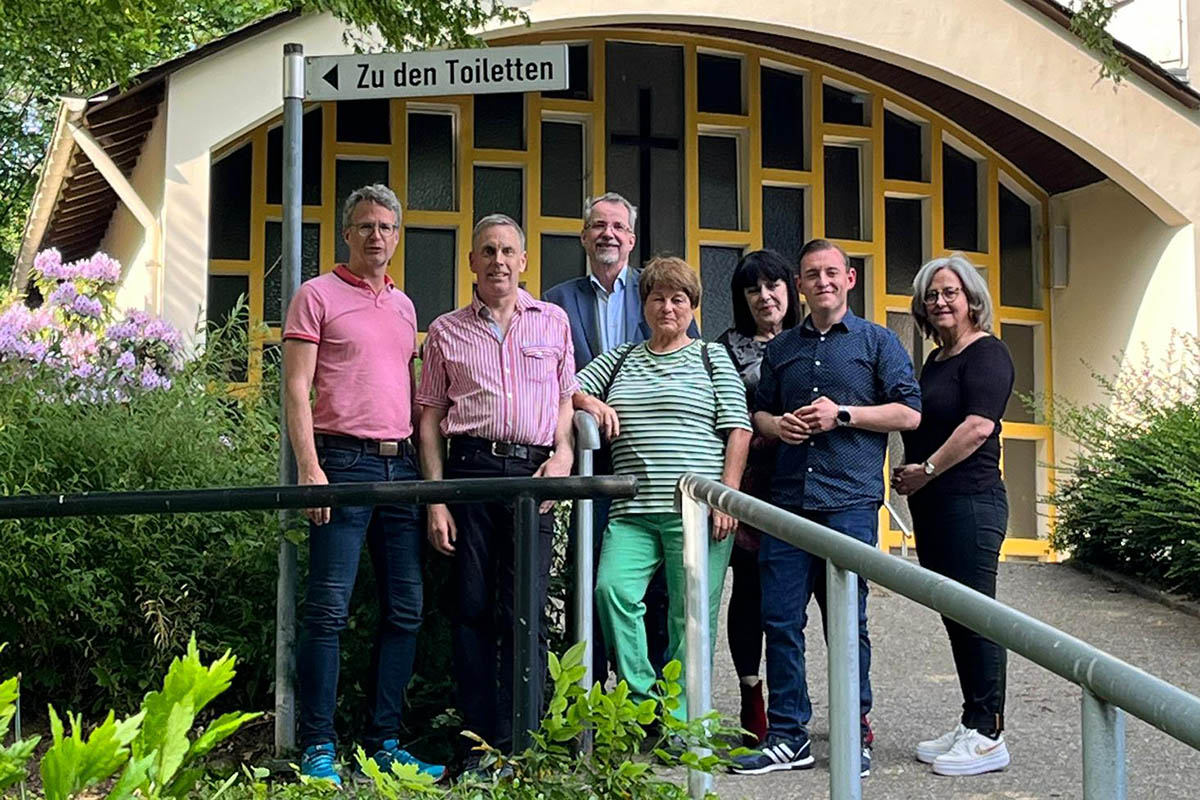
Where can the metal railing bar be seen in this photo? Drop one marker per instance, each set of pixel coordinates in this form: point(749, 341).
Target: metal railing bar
point(1151, 699)
point(260, 498)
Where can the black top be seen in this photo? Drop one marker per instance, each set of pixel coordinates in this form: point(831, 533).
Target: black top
point(976, 381)
point(746, 353)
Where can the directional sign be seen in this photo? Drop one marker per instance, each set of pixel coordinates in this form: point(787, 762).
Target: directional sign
point(529, 68)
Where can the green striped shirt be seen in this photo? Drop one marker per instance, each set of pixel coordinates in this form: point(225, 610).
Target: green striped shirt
point(671, 416)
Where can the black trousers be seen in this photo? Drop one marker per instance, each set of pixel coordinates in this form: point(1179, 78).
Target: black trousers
point(483, 584)
point(656, 593)
point(745, 613)
point(959, 536)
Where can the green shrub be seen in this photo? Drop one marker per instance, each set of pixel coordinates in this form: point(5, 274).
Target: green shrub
point(1129, 498)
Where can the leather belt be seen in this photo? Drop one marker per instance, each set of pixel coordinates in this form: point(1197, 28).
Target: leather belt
point(523, 452)
point(375, 447)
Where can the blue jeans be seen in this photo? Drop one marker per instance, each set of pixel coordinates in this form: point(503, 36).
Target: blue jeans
point(790, 577)
point(393, 535)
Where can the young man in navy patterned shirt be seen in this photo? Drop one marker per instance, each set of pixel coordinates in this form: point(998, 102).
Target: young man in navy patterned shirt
point(832, 388)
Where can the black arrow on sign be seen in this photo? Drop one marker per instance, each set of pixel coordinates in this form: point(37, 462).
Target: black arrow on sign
point(331, 77)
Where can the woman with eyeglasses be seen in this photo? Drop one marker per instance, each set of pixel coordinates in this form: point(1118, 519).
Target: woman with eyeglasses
point(955, 493)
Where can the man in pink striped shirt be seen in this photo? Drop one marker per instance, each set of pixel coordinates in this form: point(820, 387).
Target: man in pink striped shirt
point(496, 381)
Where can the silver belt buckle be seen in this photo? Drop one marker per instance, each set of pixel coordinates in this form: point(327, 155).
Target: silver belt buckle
point(389, 448)
point(497, 454)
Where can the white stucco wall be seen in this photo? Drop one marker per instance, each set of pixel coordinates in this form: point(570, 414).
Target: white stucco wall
point(1132, 281)
point(1156, 28)
point(126, 240)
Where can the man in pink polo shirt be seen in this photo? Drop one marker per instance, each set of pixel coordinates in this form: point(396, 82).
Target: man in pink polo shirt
point(352, 335)
point(497, 382)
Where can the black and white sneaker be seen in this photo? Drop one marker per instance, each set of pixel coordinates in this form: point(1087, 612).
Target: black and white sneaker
point(777, 753)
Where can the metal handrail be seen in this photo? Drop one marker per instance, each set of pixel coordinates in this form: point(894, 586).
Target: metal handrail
point(1109, 683)
point(587, 441)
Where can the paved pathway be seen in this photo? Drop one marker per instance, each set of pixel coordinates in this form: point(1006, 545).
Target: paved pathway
point(917, 696)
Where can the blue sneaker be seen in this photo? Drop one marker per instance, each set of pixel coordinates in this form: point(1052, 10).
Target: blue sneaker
point(317, 763)
point(777, 753)
point(389, 753)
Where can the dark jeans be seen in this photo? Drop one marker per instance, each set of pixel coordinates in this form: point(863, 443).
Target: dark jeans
point(790, 577)
point(394, 538)
point(745, 613)
point(483, 586)
point(959, 536)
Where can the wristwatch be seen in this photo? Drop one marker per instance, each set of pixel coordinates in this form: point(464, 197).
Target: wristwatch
point(928, 467)
point(843, 416)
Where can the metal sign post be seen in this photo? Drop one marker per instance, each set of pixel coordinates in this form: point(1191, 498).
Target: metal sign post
point(285, 601)
point(528, 68)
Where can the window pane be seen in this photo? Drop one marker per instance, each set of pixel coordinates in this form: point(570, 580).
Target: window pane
point(368, 121)
point(313, 134)
point(224, 291)
point(643, 117)
point(1021, 341)
point(562, 260)
point(719, 190)
point(903, 223)
point(310, 264)
point(500, 121)
point(579, 71)
point(903, 154)
point(1019, 284)
point(842, 107)
point(783, 130)
point(1021, 481)
point(960, 200)
point(229, 205)
point(857, 296)
point(716, 269)
point(431, 162)
point(784, 221)
point(429, 271)
point(499, 190)
point(719, 83)
point(843, 193)
point(353, 175)
point(562, 169)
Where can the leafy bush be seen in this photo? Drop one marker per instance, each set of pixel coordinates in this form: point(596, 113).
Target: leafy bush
point(1129, 498)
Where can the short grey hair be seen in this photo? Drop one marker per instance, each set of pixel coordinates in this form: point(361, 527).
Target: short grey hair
point(979, 301)
point(491, 221)
point(609, 197)
point(375, 193)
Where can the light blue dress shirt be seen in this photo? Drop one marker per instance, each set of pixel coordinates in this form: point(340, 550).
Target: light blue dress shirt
point(610, 310)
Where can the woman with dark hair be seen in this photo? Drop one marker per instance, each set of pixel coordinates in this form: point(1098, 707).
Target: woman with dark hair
point(764, 303)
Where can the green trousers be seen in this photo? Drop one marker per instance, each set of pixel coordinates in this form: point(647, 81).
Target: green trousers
point(634, 546)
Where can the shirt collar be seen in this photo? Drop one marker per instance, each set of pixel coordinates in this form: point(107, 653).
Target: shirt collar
point(525, 302)
point(849, 322)
point(619, 282)
point(343, 272)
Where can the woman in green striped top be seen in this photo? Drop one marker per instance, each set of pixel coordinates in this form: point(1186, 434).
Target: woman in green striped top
point(669, 405)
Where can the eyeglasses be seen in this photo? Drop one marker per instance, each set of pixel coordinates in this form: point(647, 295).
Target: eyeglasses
point(618, 227)
point(385, 229)
point(949, 294)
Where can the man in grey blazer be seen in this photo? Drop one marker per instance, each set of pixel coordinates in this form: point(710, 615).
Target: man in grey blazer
point(605, 311)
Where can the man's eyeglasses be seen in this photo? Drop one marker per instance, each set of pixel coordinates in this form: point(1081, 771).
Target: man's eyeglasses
point(366, 228)
point(618, 227)
point(949, 294)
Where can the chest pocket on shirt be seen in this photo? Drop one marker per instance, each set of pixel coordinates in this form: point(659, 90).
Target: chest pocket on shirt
point(540, 361)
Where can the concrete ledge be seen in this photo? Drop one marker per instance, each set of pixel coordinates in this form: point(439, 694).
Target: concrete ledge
point(1176, 602)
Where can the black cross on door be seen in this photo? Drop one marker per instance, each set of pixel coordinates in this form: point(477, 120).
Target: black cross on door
point(645, 142)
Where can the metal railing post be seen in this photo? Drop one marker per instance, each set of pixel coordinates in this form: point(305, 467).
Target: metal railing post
point(1103, 749)
point(527, 619)
point(841, 606)
point(285, 591)
point(698, 637)
point(587, 441)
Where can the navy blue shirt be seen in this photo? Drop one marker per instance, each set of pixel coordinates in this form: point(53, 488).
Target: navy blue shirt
point(855, 363)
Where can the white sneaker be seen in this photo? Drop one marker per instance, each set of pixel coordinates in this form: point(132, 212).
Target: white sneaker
point(973, 754)
point(930, 749)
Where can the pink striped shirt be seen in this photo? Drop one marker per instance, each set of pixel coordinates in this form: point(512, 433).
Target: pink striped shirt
point(504, 391)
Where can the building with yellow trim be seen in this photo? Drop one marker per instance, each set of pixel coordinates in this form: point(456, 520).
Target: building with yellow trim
point(901, 129)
